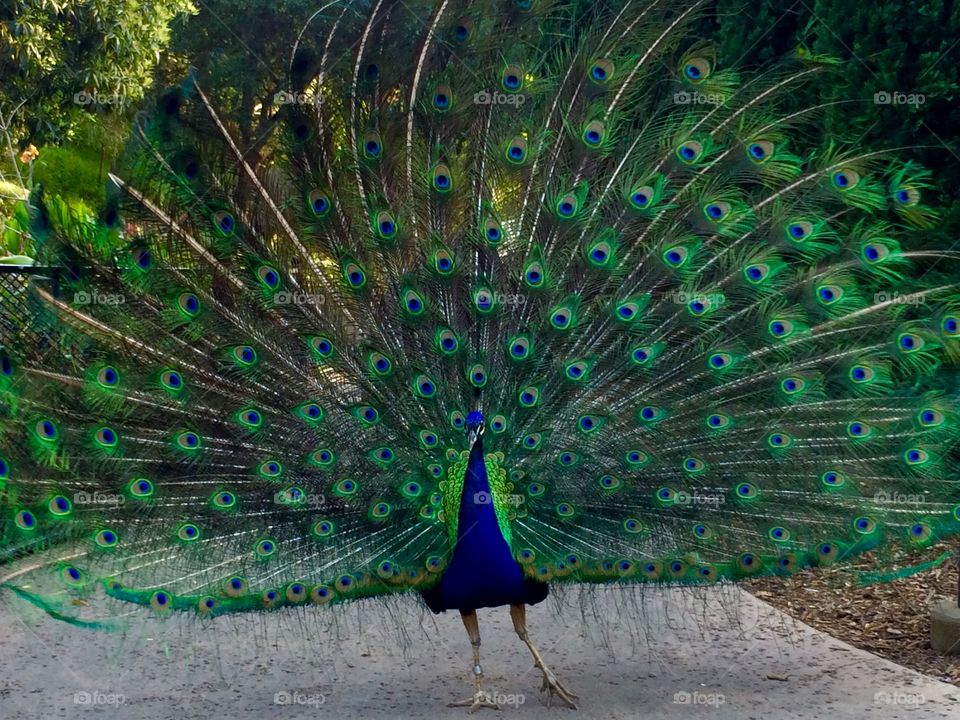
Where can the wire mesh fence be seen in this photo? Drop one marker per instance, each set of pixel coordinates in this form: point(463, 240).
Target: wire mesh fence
point(17, 316)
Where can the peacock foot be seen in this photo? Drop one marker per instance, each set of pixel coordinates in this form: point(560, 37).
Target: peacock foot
point(552, 686)
point(480, 699)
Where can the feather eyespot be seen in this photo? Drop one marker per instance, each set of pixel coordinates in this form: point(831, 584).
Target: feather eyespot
point(141, 488)
point(354, 274)
point(950, 325)
point(845, 179)
point(477, 375)
point(492, 231)
point(696, 70)
point(223, 500)
point(161, 601)
point(442, 179)
point(642, 197)
point(319, 203)
point(907, 196)
point(689, 152)
point(567, 206)
point(323, 528)
point(716, 211)
point(244, 355)
point(462, 30)
point(108, 377)
point(59, 505)
point(760, 151)
point(106, 539)
point(25, 520)
point(512, 78)
point(833, 479)
point(483, 300)
point(601, 71)
point(446, 341)
point(413, 303)
point(379, 363)
point(225, 223)
point(141, 258)
point(516, 152)
point(594, 133)
point(188, 532)
point(372, 146)
point(106, 437)
point(172, 380)
point(188, 304)
point(909, 343)
point(442, 98)
point(46, 431)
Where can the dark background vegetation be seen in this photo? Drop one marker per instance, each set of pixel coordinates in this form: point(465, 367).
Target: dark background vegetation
point(884, 46)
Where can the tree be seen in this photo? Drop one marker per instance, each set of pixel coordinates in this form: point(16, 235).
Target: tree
point(62, 58)
point(241, 52)
point(71, 70)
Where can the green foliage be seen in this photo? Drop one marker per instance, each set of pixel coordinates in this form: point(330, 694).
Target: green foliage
point(77, 172)
point(16, 231)
point(72, 70)
point(61, 58)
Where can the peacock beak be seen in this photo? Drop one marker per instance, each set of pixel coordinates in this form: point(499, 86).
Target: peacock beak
point(474, 433)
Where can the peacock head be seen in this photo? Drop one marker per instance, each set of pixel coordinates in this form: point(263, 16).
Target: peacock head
point(474, 427)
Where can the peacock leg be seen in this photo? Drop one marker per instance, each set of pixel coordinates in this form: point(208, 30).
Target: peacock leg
point(481, 698)
point(550, 682)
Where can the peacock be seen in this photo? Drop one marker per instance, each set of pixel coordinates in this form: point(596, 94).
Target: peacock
point(513, 294)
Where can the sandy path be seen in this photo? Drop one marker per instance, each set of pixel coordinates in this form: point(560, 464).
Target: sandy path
point(745, 663)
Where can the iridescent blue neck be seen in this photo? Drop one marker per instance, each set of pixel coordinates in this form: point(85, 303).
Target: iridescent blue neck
point(476, 500)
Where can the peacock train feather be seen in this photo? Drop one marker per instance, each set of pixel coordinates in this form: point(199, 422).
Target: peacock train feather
point(536, 268)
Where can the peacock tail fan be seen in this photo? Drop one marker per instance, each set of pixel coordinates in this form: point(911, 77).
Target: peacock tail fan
point(707, 343)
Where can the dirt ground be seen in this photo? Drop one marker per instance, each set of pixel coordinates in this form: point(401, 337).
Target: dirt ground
point(891, 619)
